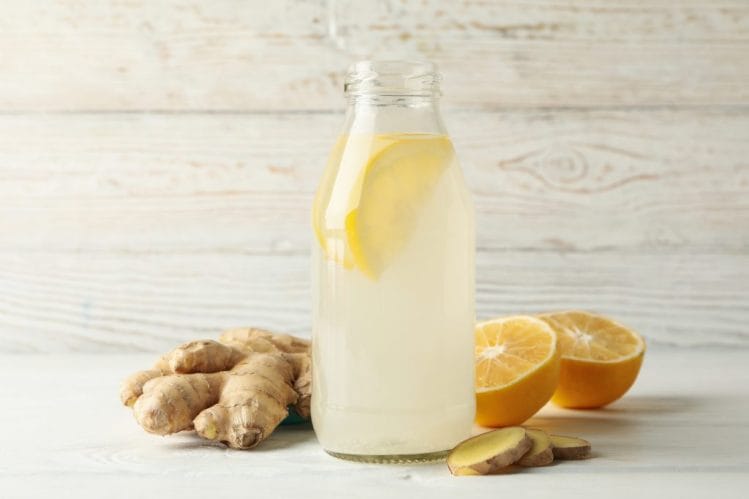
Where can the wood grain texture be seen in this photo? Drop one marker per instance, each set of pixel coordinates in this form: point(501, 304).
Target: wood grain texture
point(220, 55)
point(129, 230)
point(663, 180)
point(134, 232)
point(644, 445)
point(91, 302)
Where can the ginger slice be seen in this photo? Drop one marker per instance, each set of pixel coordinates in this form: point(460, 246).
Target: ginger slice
point(541, 453)
point(489, 452)
point(570, 447)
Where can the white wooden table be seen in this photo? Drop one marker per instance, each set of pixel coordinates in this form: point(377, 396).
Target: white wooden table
point(682, 431)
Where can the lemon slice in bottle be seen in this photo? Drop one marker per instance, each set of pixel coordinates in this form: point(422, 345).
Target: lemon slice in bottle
point(396, 183)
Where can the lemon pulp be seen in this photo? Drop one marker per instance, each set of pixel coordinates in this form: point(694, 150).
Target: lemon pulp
point(363, 219)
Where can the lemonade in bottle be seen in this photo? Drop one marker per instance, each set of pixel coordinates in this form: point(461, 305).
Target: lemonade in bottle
point(393, 276)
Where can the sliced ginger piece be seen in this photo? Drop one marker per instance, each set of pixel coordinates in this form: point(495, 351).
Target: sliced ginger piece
point(570, 447)
point(489, 452)
point(541, 453)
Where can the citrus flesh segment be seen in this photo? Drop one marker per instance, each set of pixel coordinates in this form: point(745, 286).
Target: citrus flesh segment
point(600, 359)
point(517, 369)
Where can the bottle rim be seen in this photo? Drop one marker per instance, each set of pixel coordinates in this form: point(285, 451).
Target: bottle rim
point(402, 78)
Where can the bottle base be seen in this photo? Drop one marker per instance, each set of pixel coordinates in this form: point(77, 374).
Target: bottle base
point(428, 457)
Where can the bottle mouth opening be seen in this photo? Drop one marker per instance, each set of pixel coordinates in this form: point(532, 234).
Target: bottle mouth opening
point(393, 78)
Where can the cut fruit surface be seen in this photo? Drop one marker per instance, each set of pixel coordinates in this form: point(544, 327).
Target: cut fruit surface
point(600, 359)
point(489, 452)
point(517, 369)
point(541, 452)
point(368, 220)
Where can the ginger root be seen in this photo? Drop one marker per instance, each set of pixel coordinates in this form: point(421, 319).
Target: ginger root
point(236, 390)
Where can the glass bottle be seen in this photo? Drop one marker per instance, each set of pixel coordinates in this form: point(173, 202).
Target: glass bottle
point(393, 275)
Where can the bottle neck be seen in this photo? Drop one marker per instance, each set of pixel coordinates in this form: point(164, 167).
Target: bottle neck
point(399, 97)
point(403, 114)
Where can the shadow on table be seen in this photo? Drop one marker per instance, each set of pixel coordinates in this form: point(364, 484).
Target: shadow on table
point(288, 436)
point(584, 426)
point(282, 437)
point(624, 413)
point(653, 405)
point(622, 417)
point(626, 417)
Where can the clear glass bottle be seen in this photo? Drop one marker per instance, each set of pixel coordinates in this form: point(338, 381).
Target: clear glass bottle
point(393, 276)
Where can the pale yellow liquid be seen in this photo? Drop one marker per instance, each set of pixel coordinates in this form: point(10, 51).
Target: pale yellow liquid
point(393, 355)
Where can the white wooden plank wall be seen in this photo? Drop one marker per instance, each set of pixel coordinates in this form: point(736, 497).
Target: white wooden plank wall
point(157, 160)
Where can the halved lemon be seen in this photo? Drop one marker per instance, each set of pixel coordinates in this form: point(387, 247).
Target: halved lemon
point(517, 369)
point(600, 359)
